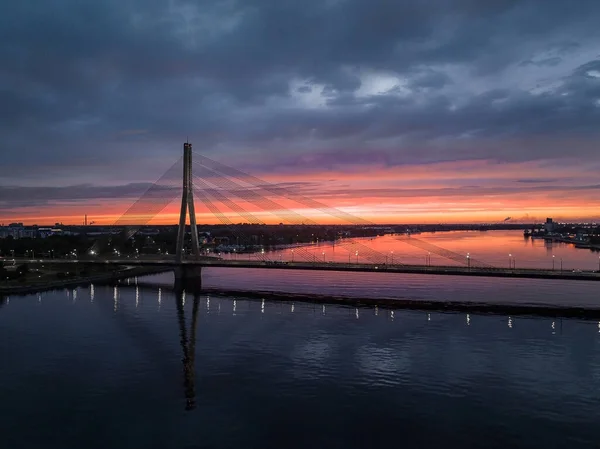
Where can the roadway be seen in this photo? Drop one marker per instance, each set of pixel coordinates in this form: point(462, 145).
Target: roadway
point(208, 262)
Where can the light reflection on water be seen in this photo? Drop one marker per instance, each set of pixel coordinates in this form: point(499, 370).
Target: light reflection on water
point(492, 247)
point(502, 249)
point(250, 372)
point(404, 286)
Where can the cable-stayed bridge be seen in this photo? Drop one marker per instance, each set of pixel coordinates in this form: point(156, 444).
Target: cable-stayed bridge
point(226, 192)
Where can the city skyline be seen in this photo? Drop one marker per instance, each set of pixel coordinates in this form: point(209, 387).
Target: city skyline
point(446, 112)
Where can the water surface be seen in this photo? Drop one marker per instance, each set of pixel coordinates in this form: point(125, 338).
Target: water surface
point(115, 368)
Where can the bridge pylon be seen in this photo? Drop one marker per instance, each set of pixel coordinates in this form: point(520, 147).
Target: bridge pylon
point(187, 204)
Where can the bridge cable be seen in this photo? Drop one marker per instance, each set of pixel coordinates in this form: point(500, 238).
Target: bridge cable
point(246, 194)
point(205, 199)
point(309, 202)
point(275, 209)
point(151, 203)
point(206, 189)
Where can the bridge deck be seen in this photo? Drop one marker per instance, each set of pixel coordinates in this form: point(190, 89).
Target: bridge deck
point(526, 273)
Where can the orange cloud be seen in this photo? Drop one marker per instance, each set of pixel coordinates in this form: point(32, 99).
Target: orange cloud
point(470, 191)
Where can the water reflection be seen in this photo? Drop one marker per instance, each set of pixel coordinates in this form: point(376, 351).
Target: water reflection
point(189, 348)
point(410, 374)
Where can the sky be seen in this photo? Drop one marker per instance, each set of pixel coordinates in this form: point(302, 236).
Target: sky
point(412, 111)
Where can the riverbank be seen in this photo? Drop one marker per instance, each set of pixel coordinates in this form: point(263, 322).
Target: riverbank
point(81, 281)
point(577, 243)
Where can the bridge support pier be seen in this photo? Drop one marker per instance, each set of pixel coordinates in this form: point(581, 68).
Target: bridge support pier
point(188, 278)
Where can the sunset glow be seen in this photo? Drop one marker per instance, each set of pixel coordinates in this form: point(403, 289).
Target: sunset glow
point(455, 114)
point(473, 191)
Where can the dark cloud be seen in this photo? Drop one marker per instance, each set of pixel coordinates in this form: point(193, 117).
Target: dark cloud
point(161, 196)
point(88, 83)
point(544, 62)
point(39, 196)
point(539, 180)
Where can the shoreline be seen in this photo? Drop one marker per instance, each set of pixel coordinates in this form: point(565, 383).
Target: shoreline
point(81, 281)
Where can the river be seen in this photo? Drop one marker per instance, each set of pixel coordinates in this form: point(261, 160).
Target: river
point(143, 367)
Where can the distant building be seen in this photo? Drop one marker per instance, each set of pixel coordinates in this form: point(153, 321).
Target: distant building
point(549, 226)
point(20, 231)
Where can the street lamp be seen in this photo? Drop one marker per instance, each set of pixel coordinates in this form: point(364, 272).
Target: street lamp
point(392, 252)
point(429, 258)
point(323, 256)
point(469, 260)
point(553, 259)
point(292, 255)
point(357, 257)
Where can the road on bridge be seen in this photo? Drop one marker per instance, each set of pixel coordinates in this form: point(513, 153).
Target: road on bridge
point(526, 273)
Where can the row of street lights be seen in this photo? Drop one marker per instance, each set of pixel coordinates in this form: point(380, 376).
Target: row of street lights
point(553, 261)
point(512, 264)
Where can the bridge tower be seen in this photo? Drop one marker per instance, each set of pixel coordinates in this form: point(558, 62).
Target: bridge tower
point(187, 204)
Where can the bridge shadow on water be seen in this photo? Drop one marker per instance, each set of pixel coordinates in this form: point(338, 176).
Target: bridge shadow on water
point(153, 347)
point(188, 347)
